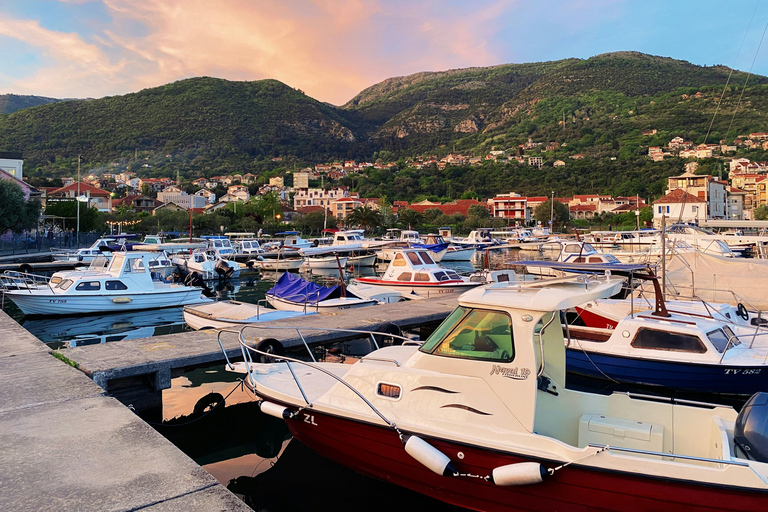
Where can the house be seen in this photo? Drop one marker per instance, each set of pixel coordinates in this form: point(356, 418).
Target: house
point(558, 163)
point(29, 190)
point(92, 196)
point(209, 196)
point(679, 206)
point(179, 197)
point(342, 207)
point(137, 203)
point(169, 207)
point(583, 211)
point(535, 161)
point(735, 209)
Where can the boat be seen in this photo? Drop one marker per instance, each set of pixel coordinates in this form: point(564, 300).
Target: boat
point(478, 238)
point(292, 293)
point(672, 351)
point(479, 416)
point(281, 262)
point(230, 314)
point(412, 239)
point(413, 271)
point(221, 245)
point(568, 251)
point(126, 284)
point(453, 252)
point(207, 263)
point(103, 246)
point(324, 261)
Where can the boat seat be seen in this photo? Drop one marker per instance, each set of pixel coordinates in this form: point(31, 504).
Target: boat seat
point(605, 430)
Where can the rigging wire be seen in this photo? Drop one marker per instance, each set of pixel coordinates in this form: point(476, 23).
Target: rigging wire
point(725, 87)
point(746, 80)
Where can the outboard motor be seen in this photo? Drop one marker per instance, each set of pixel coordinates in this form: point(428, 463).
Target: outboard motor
point(222, 268)
point(750, 433)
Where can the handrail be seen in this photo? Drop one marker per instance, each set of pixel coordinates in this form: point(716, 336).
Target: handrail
point(380, 359)
point(670, 455)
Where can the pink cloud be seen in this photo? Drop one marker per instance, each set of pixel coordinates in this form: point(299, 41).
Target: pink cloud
point(331, 49)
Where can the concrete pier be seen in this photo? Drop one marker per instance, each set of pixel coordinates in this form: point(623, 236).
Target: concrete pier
point(66, 445)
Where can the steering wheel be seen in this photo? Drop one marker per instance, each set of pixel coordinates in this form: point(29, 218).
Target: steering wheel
point(741, 310)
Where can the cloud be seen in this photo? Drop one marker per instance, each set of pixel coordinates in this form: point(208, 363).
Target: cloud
point(331, 49)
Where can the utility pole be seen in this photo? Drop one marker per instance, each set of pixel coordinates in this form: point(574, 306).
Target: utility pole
point(552, 214)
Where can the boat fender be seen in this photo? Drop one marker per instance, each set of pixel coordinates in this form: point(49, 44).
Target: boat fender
point(522, 473)
point(278, 411)
point(429, 456)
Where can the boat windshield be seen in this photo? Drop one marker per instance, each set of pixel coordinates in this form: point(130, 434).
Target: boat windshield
point(721, 337)
point(438, 334)
point(478, 334)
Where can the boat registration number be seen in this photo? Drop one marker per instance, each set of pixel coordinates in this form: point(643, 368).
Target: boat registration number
point(744, 371)
point(57, 301)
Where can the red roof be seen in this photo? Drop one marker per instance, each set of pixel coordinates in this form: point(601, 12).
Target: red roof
point(584, 208)
point(84, 188)
point(678, 196)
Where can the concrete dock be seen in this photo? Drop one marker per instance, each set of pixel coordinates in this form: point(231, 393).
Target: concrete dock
point(66, 445)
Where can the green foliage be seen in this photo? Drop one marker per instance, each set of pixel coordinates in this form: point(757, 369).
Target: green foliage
point(90, 220)
point(543, 212)
point(365, 217)
point(409, 218)
point(478, 211)
point(761, 212)
point(16, 213)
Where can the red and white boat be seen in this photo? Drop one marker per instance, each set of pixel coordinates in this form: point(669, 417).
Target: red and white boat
point(479, 416)
point(414, 272)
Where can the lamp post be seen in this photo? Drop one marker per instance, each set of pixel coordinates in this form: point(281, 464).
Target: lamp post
point(77, 203)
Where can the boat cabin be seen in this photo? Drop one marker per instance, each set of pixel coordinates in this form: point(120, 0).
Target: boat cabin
point(418, 266)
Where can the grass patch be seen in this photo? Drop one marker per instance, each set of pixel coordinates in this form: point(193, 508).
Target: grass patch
point(62, 357)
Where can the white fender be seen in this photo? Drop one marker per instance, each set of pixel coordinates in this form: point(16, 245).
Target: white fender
point(522, 473)
point(278, 411)
point(429, 456)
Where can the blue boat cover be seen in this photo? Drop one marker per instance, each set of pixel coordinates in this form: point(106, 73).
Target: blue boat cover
point(621, 267)
point(431, 247)
point(295, 289)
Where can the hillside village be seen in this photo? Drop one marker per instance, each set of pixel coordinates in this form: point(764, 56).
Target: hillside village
point(689, 197)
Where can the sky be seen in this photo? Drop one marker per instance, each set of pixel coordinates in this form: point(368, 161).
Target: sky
point(333, 49)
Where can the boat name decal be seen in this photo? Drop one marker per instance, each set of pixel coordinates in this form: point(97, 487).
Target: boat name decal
point(309, 418)
point(743, 371)
point(511, 373)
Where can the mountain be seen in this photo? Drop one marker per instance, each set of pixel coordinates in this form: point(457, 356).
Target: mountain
point(13, 102)
point(205, 126)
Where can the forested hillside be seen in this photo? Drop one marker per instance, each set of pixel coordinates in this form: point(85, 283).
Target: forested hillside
point(598, 107)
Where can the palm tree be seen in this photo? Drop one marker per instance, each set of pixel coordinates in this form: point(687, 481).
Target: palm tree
point(409, 217)
point(365, 217)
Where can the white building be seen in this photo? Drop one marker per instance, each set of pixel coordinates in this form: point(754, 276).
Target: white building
point(317, 197)
point(12, 163)
point(679, 206)
point(181, 198)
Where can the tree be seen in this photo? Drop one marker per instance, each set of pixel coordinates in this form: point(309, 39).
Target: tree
point(409, 217)
point(16, 213)
point(543, 212)
point(314, 222)
point(761, 212)
point(478, 211)
point(365, 217)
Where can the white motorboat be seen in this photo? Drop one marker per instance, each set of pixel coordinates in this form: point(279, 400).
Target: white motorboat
point(126, 284)
point(292, 293)
point(328, 261)
point(103, 246)
point(229, 314)
point(413, 271)
point(207, 263)
point(479, 416)
point(274, 264)
point(569, 251)
point(453, 252)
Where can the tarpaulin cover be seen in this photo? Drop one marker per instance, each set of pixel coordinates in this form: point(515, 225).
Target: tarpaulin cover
point(295, 289)
point(717, 279)
point(431, 247)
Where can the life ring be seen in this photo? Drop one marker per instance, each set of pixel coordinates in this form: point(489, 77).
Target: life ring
point(270, 346)
point(208, 403)
point(741, 310)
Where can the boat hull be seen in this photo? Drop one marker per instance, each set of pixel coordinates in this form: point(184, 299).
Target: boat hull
point(278, 264)
point(198, 317)
point(55, 304)
point(425, 290)
point(368, 260)
point(326, 263)
point(324, 306)
point(699, 378)
point(377, 452)
point(462, 254)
